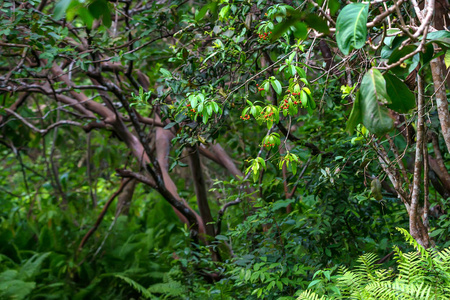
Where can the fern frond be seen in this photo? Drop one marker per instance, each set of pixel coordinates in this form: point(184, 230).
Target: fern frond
point(352, 285)
point(398, 290)
point(144, 292)
point(414, 243)
point(383, 274)
point(367, 266)
point(410, 267)
point(32, 266)
point(171, 288)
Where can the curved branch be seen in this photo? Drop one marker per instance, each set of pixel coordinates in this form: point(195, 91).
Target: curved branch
point(102, 213)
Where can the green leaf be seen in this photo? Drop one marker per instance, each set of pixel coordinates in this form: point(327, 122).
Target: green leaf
point(224, 12)
point(281, 28)
point(294, 167)
point(427, 56)
point(391, 45)
point(392, 34)
point(375, 189)
point(221, 237)
point(304, 98)
point(60, 9)
point(355, 116)
point(402, 99)
point(144, 292)
point(351, 30)
point(16, 289)
point(202, 12)
point(440, 37)
point(313, 283)
point(334, 6)
point(447, 58)
point(436, 232)
point(408, 65)
point(99, 8)
point(277, 86)
point(86, 16)
point(375, 117)
point(316, 22)
point(170, 125)
point(165, 72)
point(300, 30)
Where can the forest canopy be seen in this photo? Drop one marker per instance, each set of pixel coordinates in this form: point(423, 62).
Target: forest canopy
point(224, 149)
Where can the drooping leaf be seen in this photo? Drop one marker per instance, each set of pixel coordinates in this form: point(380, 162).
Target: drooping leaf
point(375, 116)
point(375, 189)
point(351, 30)
point(355, 116)
point(277, 86)
point(447, 58)
point(99, 8)
point(300, 30)
point(60, 9)
point(86, 16)
point(281, 28)
point(295, 20)
point(401, 97)
point(333, 5)
point(395, 43)
point(408, 65)
point(427, 56)
point(212, 7)
point(316, 22)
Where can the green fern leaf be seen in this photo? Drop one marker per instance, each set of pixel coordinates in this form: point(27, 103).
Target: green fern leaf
point(147, 294)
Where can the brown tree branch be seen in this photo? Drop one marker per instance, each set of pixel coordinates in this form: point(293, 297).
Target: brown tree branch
point(416, 227)
point(102, 213)
point(138, 176)
point(200, 190)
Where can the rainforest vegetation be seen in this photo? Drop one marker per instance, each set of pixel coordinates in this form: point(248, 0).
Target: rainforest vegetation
point(226, 149)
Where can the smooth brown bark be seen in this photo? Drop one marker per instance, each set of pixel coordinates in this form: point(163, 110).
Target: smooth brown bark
point(125, 198)
point(200, 190)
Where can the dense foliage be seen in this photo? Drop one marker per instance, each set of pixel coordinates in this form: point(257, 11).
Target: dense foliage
point(224, 149)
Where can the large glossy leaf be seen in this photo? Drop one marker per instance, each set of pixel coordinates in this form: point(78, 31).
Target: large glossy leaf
point(427, 55)
point(351, 30)
point(402, 100)
point(373, 94)
point(408, 65)
point(392, 44)
point(441, 37)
